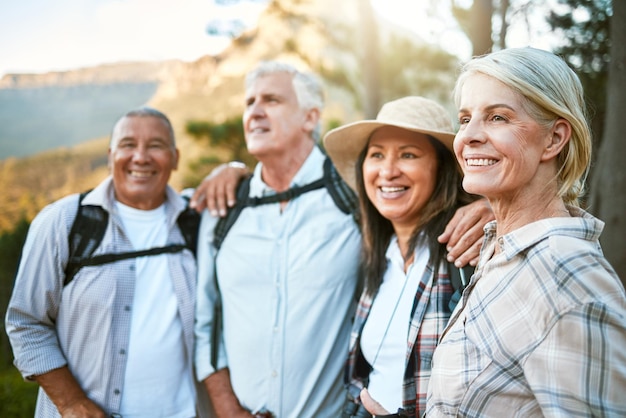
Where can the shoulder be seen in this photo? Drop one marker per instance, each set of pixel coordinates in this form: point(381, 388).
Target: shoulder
point(578, 272)
point(57, 214)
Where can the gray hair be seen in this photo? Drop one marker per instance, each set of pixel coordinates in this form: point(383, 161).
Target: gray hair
point(308, 87)
point(551, 90)
point(146, 111)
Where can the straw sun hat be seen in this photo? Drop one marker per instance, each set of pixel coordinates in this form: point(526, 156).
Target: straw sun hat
point(418, 114)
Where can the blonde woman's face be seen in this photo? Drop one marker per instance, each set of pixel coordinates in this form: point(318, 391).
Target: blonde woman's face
point(499, 146)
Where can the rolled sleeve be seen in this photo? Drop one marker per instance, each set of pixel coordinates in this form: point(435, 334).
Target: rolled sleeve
point(33, 308)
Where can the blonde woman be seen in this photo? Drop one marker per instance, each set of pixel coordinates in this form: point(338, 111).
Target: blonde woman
point(541, 329)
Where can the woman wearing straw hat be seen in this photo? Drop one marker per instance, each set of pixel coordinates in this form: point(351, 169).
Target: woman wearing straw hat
point(409, 184)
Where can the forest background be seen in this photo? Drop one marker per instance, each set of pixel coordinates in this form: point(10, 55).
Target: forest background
point(363, 61)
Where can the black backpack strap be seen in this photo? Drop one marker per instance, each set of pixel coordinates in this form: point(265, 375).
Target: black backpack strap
point(344, 197)
point(189, 222)
point(90, 226)
point(85, 236)
point(459, 278)
point(224, 224)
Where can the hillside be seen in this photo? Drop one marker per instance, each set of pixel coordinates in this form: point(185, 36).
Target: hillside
point(316, 35)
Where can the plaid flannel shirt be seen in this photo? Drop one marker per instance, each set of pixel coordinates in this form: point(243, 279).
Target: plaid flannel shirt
point(540, 331)
point(430, 314)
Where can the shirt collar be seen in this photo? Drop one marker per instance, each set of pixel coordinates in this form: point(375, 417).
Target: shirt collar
point(311, 170)
point(104, 195)
point(581, 225)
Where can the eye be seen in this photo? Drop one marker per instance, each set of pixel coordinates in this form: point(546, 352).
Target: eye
point(157, 145)
point(375, 155)
point(464, 120)
point(408, 155)
point(498, 118)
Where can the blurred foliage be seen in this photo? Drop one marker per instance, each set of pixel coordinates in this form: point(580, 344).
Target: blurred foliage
point(17, 397)
point(586, 45)
point(227, 136)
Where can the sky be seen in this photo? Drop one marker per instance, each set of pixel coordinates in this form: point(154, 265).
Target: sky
point(42, 35)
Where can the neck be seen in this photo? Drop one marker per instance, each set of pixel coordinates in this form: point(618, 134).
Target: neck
point(514, 215)
point(278, 171)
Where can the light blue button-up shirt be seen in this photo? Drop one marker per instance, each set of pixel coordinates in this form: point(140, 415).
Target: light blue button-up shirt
point(287, 281)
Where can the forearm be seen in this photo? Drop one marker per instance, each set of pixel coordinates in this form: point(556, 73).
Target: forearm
point(223, 398)
point(67, 395)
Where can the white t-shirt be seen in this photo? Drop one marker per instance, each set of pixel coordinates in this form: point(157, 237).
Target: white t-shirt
point(385, 333)
point(158, 381)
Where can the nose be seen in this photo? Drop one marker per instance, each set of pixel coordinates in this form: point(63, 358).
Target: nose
point(254, 110)
point(471, 132)
point(141, 154)
point(389, 168)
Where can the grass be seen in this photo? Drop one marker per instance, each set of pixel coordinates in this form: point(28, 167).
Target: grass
point(17, 397)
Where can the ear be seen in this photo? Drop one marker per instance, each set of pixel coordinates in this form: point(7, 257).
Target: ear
point(175, 161)
point(110, 160)
point(559, 136)
point(311, 118)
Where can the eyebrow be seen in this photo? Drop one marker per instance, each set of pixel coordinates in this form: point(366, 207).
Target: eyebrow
point(492, 107)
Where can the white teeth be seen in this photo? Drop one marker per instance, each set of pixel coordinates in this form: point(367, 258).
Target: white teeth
point(391, 189)
point(259, 130)
point(480, 162)
point(140, 174)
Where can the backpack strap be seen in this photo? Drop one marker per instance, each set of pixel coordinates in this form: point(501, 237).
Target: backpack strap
point(344, 197)
point(224, 224)
point(188, 222)
point(90, 226)
point(459, 278)
point(85, 236)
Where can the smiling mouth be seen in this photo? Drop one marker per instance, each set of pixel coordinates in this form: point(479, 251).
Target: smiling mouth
point(259, 130)
point(480, 162)
point(392, 189)
point(140, 174)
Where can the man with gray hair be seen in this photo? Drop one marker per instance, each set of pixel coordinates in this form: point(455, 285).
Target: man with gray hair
point(286, 305)
point(112, 339)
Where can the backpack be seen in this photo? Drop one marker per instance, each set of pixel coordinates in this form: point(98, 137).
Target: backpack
point(344, 197)
point(90, 225)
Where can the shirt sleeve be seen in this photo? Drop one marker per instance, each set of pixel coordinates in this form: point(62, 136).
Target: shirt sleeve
point(34, 304)
point(580, 367)
point(205, 302)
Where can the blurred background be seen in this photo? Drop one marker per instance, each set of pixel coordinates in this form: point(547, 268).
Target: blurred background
point(70, 68)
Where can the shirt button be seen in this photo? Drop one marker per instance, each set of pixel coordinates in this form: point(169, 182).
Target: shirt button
point(122, 351)
point(274, 373)
point(127, 308)
point(275, 330)
point(116, 391)
point(132, 268)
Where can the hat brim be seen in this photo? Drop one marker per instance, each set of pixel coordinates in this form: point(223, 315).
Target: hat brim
point(344, 144)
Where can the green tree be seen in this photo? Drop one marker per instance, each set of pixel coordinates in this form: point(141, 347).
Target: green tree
point(11, 243)
point(226, 135)
point(583, 27)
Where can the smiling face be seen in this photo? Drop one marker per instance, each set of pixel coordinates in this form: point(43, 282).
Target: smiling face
point(504, 153)
point(400, 174)
point(274, 123)
point(141, 159)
